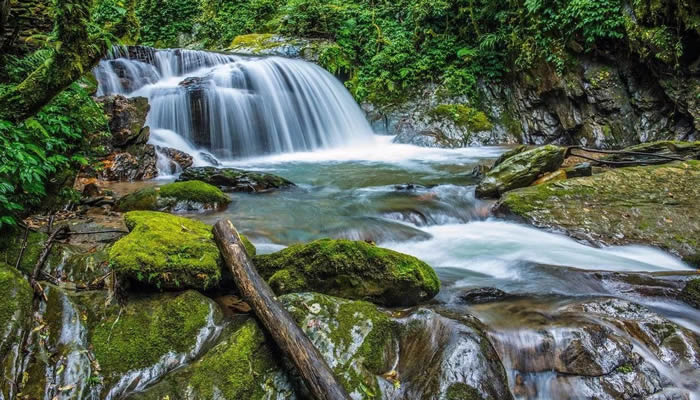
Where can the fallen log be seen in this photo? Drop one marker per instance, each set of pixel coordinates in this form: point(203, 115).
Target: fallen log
point(313, 369)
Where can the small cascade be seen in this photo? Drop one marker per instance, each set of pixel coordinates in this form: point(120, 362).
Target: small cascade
point(237, 106)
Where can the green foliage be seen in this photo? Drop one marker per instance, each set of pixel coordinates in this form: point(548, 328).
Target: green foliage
point(36, 149)
point(163, 22)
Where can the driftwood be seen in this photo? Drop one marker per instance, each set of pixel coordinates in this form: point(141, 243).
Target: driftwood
point(313, 369)
point(660, 158)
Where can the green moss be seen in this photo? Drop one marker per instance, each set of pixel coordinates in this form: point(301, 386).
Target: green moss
point(144, 199)
point(254, 41)
point(350, 269)
point(195, 191)
point(167, 252)
point(462, 391)
point(464, 116)
point(235, 367)
point(625, 369)
point(148, 328)
point(15, 306)
point(11, 244)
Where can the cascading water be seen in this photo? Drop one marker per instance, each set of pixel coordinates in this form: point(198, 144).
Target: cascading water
point(236, 106)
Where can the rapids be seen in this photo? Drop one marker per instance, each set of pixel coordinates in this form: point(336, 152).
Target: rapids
point(295, 120)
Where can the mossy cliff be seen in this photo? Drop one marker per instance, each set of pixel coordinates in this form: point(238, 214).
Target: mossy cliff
point(178, 196)
point(652, 205)
point(352, 270)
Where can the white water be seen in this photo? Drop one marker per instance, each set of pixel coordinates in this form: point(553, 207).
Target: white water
point(236, 106)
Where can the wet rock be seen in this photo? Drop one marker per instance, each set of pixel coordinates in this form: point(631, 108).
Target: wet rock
point(236, 180)
point(176, 160)
point(164, 251)
point(691, 293)
point(520, 170)
point(652, 205)
point(579, 170)
point(127, 119)
point(354, 270)
point(15, 314)
point(275, 45)
point(138, 162)
point(672, 148)
point(482, 295)
point(209, 158)
point(175, 197)
point(510, 153)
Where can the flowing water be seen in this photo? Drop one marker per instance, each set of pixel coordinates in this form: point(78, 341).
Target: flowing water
point(293, 119)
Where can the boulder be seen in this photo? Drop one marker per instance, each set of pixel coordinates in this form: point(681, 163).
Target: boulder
point(579, 170)
point(166, 252)
point(350, 269)
point(520, 170)
point(127, 119)
point(137, 163)
point(691, 293)
point(235, 180)
point(510, 153)
point(179, 196)
point(650, 205)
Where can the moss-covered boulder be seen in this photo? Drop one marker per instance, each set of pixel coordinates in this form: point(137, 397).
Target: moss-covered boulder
point(691, 293)
point(352, 270)
point(15, 317)
point(179, 196)
point(235, 180)
point(167, 252)
point(651, 205)
point(520, 170)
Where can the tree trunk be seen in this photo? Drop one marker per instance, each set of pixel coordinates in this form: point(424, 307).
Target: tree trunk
point(313, 369)
point(76, 54)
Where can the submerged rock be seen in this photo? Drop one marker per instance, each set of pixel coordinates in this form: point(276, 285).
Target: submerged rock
point(520, 170)
point(350, 269)
point(482, 295)
point(235, 180)
point(652, 205)
point(166, 252)
point(178, 196)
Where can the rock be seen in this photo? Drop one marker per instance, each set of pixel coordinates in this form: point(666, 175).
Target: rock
point(651, 205)
point(510, 153)
point(236, 180)
point(137, 163)
point(673, 148)
point(558, 175)
point(175, 197)
point(579, 170)
point(127, 119)
point(691, 293)
point(91, 190)
point(177, 160)
point(520, 170)
point(269, 44)
point(482, 295)
point(166, 252)
point(209, 158)
point(15, 315)
point(349, 269)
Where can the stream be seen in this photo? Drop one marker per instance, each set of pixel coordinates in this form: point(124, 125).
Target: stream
point(549, 291)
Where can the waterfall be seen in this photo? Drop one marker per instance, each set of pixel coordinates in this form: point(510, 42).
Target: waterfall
point(237, 106)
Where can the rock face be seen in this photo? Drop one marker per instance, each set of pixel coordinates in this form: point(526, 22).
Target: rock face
point(653, 205)
point(175, 197)
point(520, 170)
point(691, 293)
point(235, 180)
point(349, 269)
point(166, 252)
point(602, 102)
point(126, 154)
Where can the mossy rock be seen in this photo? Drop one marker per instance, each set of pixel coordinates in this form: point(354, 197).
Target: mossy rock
point(520, 170)
point(463, 116)
point(651, 205)
point(355, 338)
point(167, 252)
point(11, 244)
point(462, 391)
point(15, 316)
point(150, 332)
point(352, 270)
point(235, 180)
point(178, 196)
point(691, 293)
